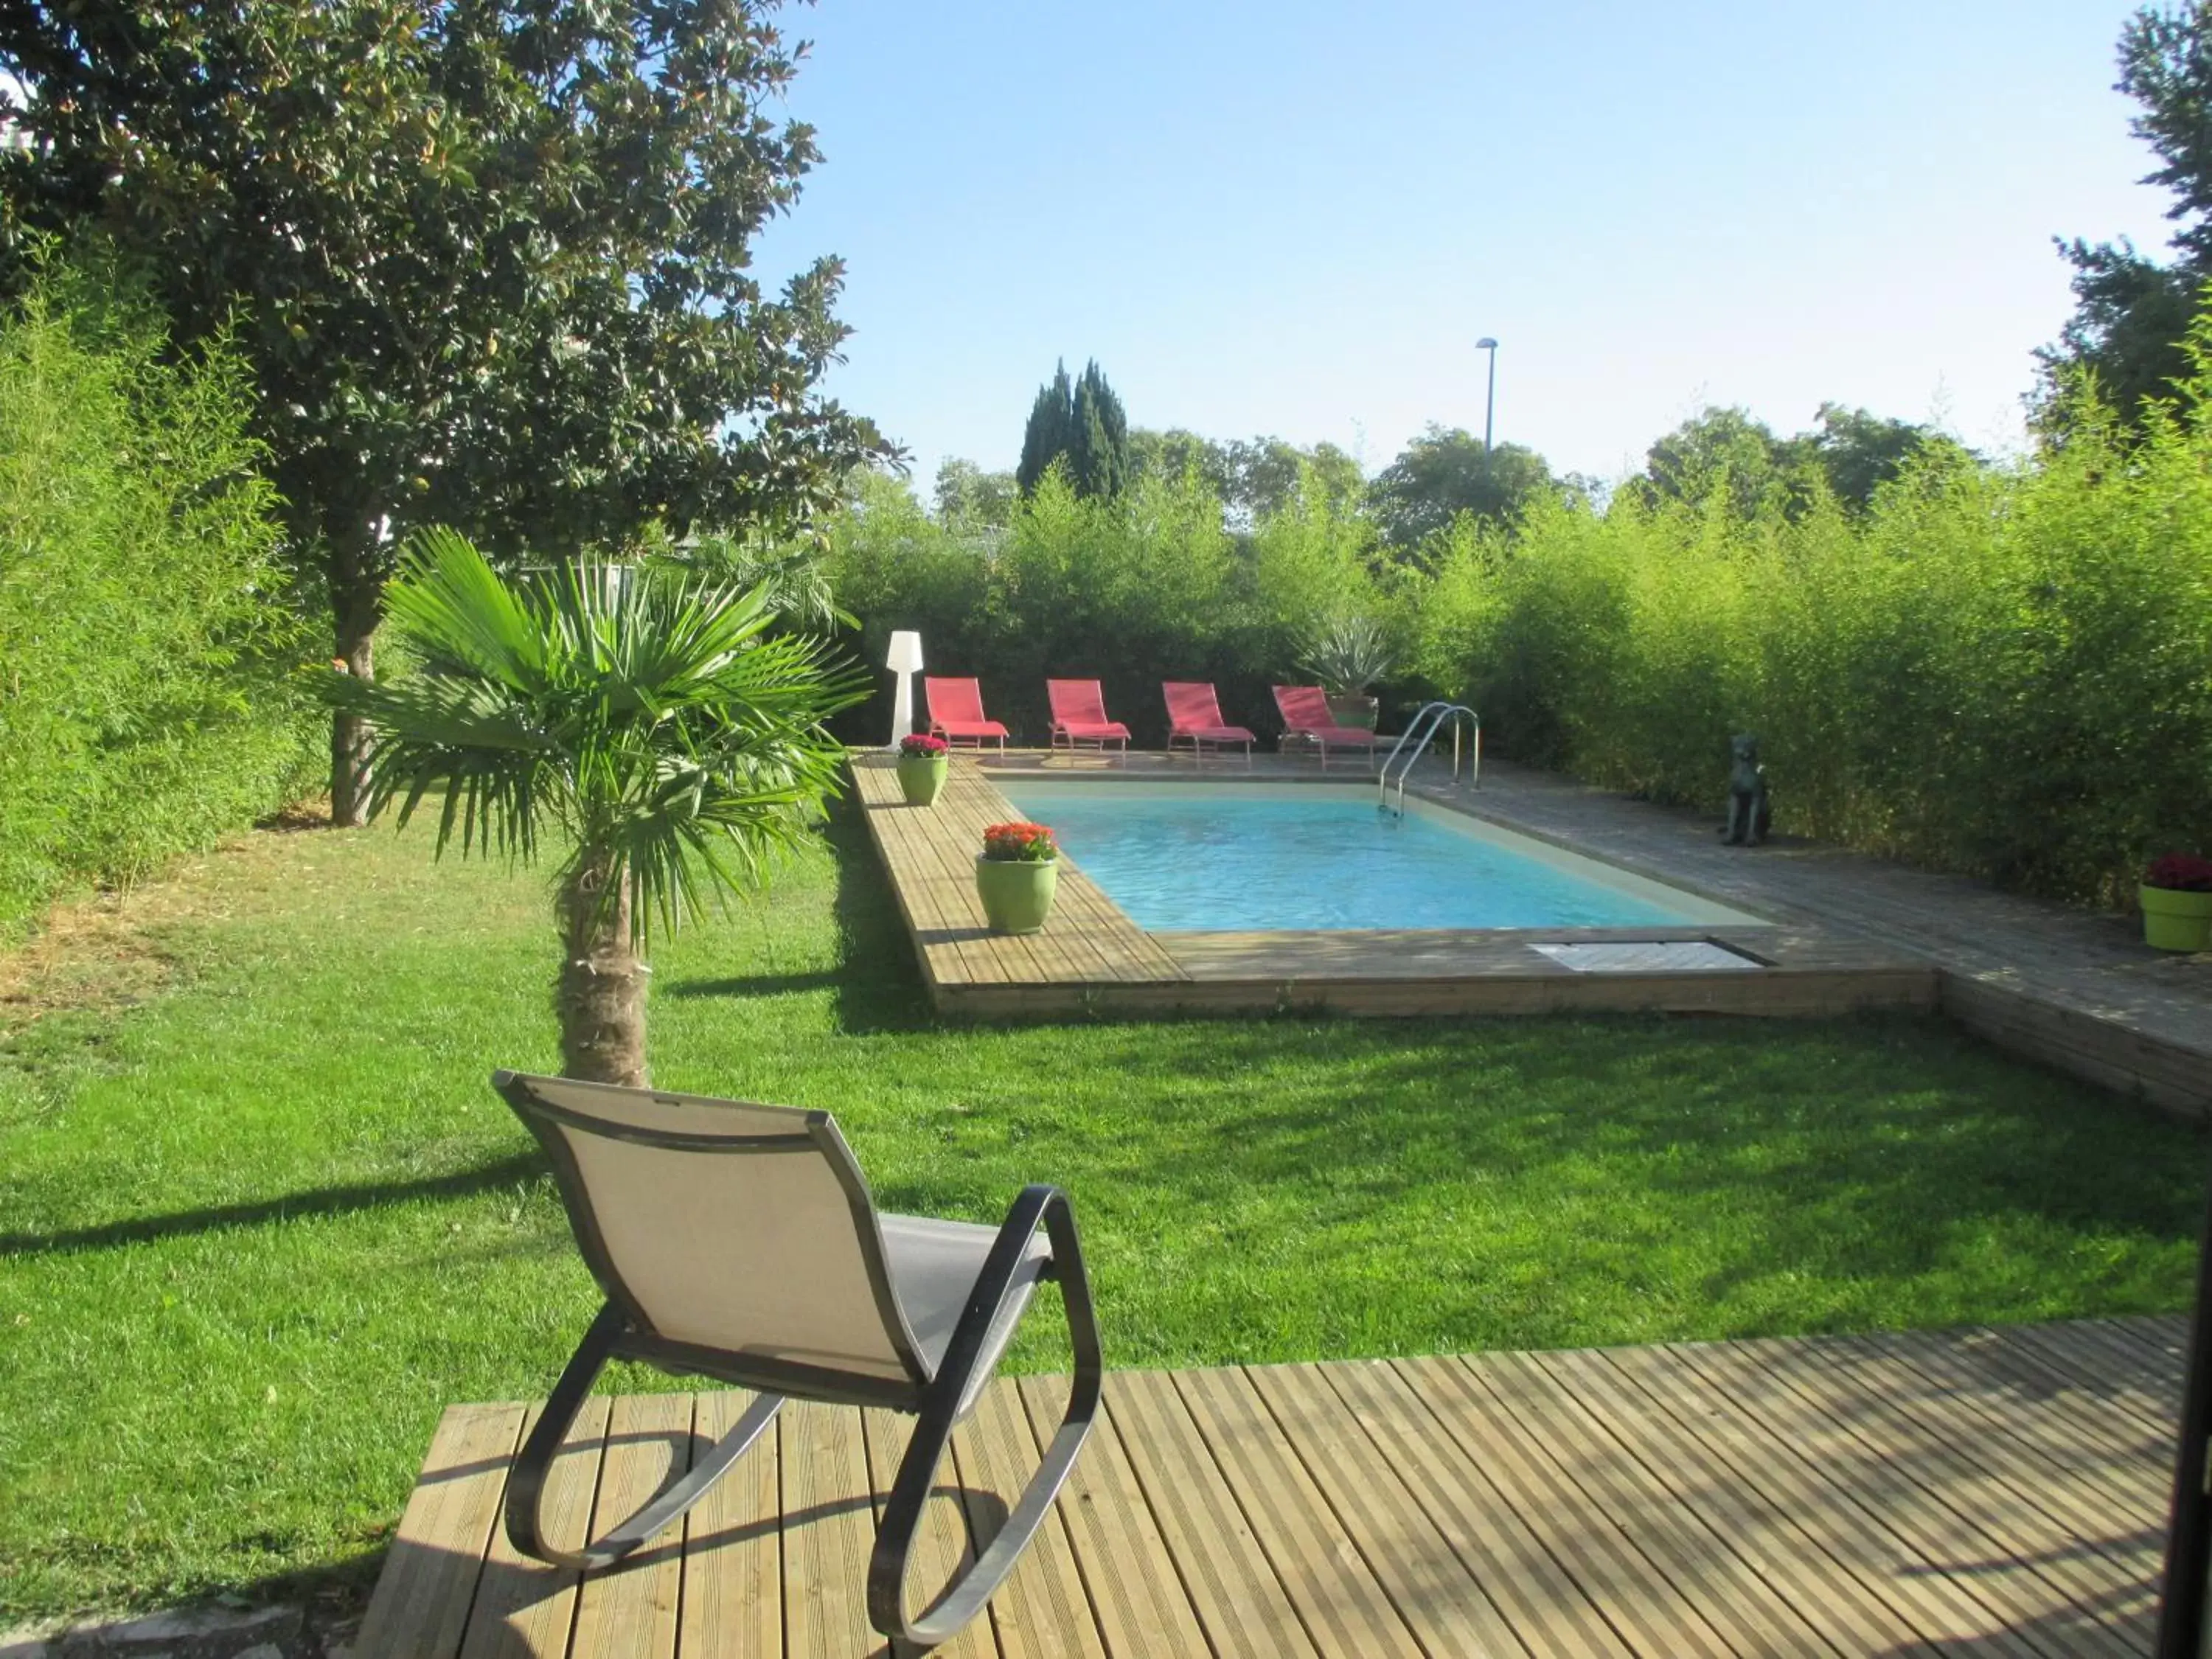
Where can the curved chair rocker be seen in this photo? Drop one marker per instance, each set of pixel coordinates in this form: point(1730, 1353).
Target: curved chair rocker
point(740, 1242)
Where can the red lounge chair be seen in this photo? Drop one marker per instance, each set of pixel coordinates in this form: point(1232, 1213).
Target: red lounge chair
point(1194, 717)
point(1305, 714)
point(956, 713)
point(1079, 715)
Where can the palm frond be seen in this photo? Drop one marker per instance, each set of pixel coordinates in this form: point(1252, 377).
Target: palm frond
point(662, 722)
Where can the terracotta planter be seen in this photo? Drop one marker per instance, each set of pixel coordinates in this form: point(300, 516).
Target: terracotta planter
point(1016, 894)
point(921, 777)
point(2175, 921)
point(1357, 710)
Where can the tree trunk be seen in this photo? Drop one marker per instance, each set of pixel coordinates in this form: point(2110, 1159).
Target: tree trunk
point(357, 605)
point(600, 994)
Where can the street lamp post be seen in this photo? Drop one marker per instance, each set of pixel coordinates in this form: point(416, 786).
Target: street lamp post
point(1490, 406)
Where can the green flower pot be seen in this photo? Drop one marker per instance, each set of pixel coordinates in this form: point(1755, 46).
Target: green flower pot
point(921, 776)
point(1016, 894)
point(2175, 921)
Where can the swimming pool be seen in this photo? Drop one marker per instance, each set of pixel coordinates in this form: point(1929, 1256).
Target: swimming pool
point(1257, 857)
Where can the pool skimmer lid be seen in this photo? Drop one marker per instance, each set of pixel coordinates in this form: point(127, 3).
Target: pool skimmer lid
point(1648, 956)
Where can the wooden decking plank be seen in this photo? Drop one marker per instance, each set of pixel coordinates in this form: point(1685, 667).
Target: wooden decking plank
point(1604, 1559)
point(1902, 1493)
point(2105, 1377)
point(1853, 1617)
point(1728, 1590)
point(2107, 1452)
point(1442, 1602)
point(1135, 1588)
point(628, 1611)
point(1552, 1613)
point(1240, 1601)
point(525, 1609)
point(829, 1530)
point(941, 1546)
point(1953, 1517)
point(421, 1607)
point(1852, 1525)
point(732, 1592)
point(1343, 1606)
point(2070, 1412)
point(2080, 1539)
point(1041, 1612)
point(2165, 1335)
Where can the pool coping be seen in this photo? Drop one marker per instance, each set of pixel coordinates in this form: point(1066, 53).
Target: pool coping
point(1091, 958)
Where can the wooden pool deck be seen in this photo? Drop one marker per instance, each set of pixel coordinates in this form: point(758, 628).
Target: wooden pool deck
point(1091, 958)
point(1984, 1492)
point(2072, 989)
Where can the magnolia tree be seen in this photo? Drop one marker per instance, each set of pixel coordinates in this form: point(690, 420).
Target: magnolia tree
point(489, 260)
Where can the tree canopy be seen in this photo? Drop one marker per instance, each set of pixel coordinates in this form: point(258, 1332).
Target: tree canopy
point(2131, 312)
point(1849, 452)
point(489, 261)
point(1254, 478)
point(1447, 472)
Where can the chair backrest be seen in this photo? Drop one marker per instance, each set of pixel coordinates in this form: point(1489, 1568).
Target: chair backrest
point(724, 1225)
point(954, 700)
point(1076, 703)
point(1192, 704)
point(1305, 708)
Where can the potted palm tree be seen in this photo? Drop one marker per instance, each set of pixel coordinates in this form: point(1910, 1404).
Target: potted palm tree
point(1016, 875)
point(1347, 656)
point(2176, 897)
point(656, 730)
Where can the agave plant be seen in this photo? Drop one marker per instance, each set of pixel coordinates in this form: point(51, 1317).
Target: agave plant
point(1347, 655)
point(648, 719)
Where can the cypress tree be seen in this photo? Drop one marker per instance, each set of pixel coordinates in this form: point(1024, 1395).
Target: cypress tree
point(1083, 423)
point(1098, 442)
point(1052, 419)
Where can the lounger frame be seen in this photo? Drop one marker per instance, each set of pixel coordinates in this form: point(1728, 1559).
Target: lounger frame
point(620, 1330)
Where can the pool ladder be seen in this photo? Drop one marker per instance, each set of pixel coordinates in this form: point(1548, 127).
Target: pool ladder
point(1420, 731)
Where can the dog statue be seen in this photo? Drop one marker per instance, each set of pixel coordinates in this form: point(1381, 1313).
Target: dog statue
point(1749, 813)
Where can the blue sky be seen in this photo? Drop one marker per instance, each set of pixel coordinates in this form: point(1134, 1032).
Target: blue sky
point(1298, 219)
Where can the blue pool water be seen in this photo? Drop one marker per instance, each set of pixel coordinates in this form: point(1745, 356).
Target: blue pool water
point(1240, 859)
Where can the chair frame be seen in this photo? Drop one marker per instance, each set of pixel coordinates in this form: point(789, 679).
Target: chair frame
point(1313, 734)
point(620, 1330)
point(1059, 728)
point(1197, 738)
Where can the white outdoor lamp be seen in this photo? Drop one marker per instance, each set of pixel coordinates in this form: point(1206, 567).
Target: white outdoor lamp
point(905, 661)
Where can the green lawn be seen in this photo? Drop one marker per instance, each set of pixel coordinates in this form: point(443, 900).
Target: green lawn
point(259, 1225)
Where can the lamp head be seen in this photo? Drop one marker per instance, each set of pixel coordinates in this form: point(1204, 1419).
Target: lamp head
point(905, 655)
point(1486, 343)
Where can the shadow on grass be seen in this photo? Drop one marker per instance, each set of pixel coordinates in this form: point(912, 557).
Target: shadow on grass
point(879, 981)
point(757, 985)
point(326, 1200)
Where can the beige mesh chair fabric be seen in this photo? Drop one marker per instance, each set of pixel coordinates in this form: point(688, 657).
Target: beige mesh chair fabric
point(740, 1242)
point(738, 1233)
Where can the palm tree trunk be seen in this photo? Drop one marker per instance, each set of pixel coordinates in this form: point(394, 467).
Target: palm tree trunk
point(599, 996)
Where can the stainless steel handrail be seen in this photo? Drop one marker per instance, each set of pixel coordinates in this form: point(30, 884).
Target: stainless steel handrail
point(1421, 732)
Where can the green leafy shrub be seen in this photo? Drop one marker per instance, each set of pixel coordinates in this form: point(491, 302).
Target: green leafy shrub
point(2004, 671)
point(146, 638)
point(1144, 587)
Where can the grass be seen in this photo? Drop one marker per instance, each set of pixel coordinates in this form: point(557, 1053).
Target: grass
point(260, 1216)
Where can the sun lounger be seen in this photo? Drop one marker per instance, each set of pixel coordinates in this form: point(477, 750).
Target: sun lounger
point(956, 714)
point(1079, 715)
point(1306, 714)
point(1194, 717)
point(740, 1242)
